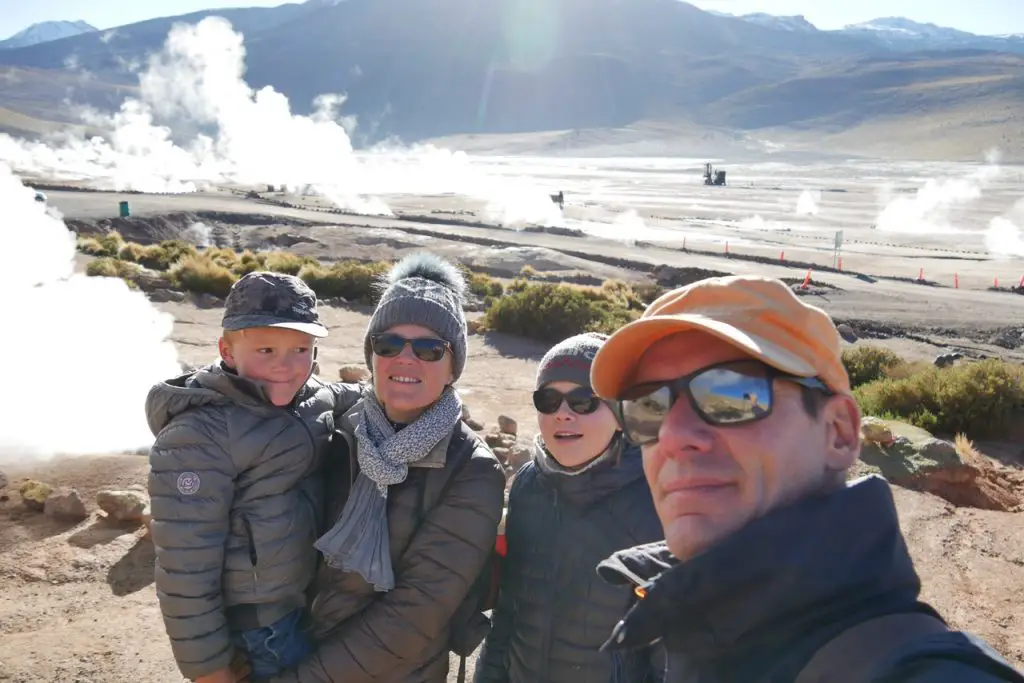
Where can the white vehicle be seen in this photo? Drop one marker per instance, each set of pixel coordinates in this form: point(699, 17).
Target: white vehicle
point(40, 197)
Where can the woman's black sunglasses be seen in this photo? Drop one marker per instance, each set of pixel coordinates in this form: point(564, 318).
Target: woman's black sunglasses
point(426, 349)
point(581, 401)
point(726, 394)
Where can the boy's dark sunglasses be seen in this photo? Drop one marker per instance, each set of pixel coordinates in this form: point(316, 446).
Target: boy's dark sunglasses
point(581, 401)
point(426, 349)
point(725, 394)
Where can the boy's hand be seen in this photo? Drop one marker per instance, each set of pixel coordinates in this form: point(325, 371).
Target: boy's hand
point(222, 676)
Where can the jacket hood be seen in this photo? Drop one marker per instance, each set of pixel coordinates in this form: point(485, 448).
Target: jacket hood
point(811, 563)
point(208, 385)
point(613, 470)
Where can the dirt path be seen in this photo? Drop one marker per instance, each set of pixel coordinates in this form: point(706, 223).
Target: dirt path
point(77, 602)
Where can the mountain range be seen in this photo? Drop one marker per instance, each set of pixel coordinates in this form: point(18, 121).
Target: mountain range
point(45, 32)
point(426, 68)
point(898, 33)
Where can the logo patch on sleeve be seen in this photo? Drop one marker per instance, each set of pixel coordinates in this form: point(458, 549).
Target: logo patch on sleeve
point(188, 483)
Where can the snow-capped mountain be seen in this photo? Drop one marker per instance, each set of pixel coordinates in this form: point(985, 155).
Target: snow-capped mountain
point(46, 31)
point(793, 23)
point(900, 29)
point(899, 33)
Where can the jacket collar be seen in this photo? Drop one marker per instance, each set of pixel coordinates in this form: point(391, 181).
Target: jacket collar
point(612, 471)
point(812, 563)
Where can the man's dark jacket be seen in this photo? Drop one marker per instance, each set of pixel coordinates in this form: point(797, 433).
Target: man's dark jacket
point(756, 607)
point(554, 611)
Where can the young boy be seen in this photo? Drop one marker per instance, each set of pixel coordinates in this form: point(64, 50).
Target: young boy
point(235, 503)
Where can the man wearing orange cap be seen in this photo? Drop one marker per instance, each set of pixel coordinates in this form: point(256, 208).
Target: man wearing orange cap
point(774, 568)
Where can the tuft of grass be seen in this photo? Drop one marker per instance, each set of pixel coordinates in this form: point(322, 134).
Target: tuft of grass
point(351, 280)
point(108, 266)
point(287, 262)
point(202, 275)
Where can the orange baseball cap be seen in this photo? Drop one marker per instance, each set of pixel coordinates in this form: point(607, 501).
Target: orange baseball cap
point(760, 316)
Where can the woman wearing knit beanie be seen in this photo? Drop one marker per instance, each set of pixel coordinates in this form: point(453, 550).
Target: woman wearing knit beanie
point(583, 494)
point(414, 497)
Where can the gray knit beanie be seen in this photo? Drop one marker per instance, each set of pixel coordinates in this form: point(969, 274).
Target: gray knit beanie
point(423, 289)
point(570, 360)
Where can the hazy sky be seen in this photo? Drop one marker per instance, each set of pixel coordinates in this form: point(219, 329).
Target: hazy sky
point(977, 16)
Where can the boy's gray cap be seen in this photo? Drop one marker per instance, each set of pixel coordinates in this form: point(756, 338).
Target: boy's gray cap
point(265, 299)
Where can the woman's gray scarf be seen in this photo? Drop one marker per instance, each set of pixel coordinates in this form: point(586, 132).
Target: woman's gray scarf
point(547, 462)
point(359, 541)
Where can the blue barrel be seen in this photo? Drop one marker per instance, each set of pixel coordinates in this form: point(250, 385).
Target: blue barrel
point(124, 210)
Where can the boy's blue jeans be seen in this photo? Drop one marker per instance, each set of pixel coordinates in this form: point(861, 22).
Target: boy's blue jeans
point(275, 648)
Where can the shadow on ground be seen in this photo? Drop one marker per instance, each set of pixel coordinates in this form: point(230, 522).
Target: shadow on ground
point(134, 571)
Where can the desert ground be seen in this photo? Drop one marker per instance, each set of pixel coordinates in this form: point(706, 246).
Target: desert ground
point(78, 603)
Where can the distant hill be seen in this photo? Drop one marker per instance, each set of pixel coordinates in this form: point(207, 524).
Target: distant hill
point(45, 32)
point(422, 69)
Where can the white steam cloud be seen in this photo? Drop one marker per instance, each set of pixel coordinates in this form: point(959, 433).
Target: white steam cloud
point(1004, 237)
point(90, 345)
point(200, 234)
point(197, 122)
point(807, 204)
point(928, 210)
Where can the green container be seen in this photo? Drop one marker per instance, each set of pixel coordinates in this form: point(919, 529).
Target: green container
point(124, 210)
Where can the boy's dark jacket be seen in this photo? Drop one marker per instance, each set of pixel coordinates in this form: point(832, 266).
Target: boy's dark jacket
point(757, 606)
point(236, 505)
point(554, 611)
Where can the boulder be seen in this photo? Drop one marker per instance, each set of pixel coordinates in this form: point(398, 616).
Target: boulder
point(519, 455)
point(65, 504)
point(502, 454)
point(474, 326)
point(123, 506)
point(506, 425)
point(875, 430)
point(204, 300)
point(474, 424)
point(499, 440)
point(917, 460)
point(34, 494)
point(847, 333)
point(354, 374)
point(164, 295)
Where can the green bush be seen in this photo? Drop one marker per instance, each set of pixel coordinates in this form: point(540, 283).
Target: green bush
point(350, 280)
point(980, 399)
point(867, 363)
point(552, 312)
point(202, 275)
point(484, 286)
